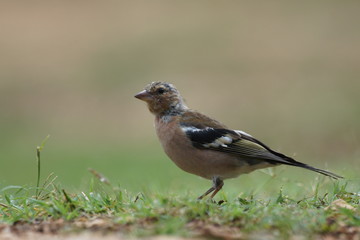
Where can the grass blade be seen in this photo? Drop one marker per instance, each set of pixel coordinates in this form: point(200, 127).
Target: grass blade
point(38, 150)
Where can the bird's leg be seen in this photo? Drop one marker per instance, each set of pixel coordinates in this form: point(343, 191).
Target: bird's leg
point(206, 193)
point(217, 185)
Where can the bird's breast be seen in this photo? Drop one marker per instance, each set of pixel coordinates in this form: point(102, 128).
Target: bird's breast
point(177, 146)
point(201, 162)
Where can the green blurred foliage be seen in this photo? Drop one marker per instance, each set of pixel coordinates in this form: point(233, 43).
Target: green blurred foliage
point(286, 72)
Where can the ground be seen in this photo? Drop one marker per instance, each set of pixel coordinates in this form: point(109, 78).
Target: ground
point(111, 213)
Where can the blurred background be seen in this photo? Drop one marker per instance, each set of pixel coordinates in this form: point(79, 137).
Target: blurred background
point(286, 72)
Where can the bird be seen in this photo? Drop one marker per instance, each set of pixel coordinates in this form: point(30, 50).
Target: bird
point(204, 146)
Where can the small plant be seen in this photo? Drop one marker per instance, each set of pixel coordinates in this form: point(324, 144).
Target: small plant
point(38, 151)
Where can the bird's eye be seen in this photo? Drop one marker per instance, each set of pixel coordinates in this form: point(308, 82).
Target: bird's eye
point(161, 90)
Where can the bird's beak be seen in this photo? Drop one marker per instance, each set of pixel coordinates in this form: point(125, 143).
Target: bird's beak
point(143, 95)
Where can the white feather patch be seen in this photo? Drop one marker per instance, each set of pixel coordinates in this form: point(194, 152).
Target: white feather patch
point(226, 140)
point(242, 132)
point(221, 141)
point(192, 129)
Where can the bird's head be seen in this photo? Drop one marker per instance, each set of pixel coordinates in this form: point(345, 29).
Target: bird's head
point(162, 99)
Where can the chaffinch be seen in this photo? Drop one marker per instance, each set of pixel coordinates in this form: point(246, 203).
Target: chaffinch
point(205, 147)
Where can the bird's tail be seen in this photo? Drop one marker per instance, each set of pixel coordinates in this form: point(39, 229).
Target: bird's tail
point(326, 173)
point(295, 163)
point(280, 158)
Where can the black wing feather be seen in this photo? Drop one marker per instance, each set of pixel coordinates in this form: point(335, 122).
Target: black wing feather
point(199, 137)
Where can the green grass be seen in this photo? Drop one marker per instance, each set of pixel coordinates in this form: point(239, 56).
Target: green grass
point(270, 204)
point(152, 213)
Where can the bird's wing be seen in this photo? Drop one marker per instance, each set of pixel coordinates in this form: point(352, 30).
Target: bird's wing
point(230, 141)
point(241, 144)
point(207, 133)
